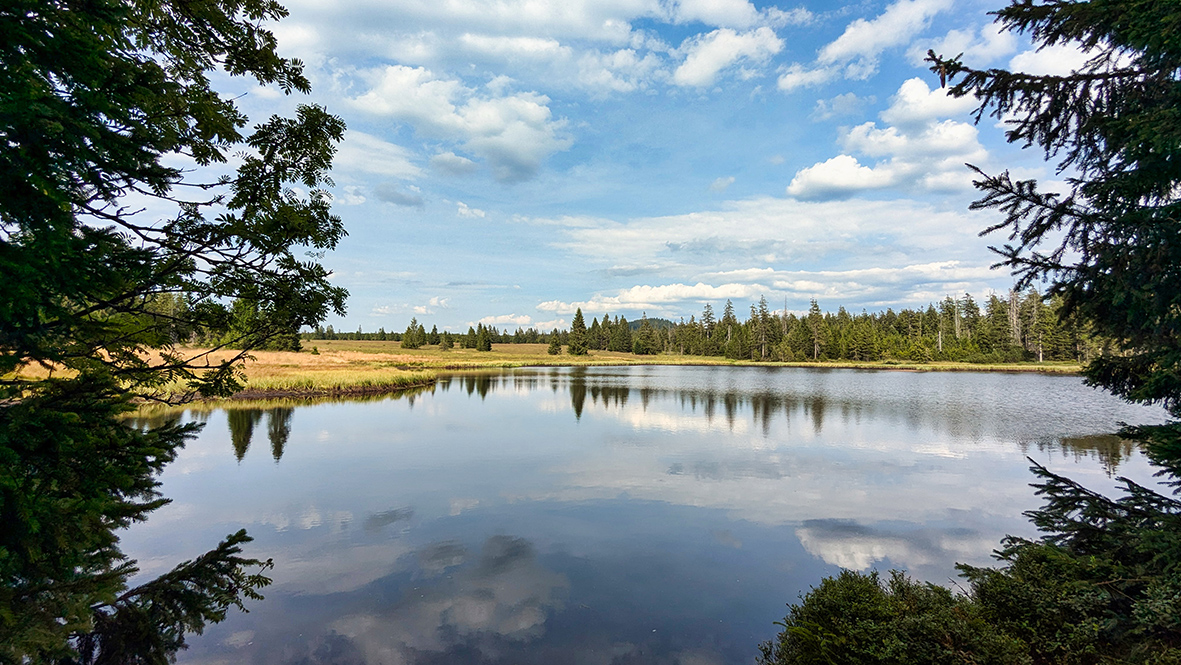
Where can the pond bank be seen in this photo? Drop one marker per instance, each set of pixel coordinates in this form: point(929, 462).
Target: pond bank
point(343, 368)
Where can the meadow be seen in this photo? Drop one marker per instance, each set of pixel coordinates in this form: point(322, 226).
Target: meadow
point(346, 366)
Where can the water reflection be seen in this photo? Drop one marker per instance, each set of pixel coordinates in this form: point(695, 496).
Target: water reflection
point(444, 604)
point(279, 429)
point(768, 394)
point(609, 515)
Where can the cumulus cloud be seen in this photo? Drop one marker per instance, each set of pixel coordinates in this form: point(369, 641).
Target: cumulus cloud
point(391, 193)
point(463, 210)
point(884, 286)
point(837, 177)
point(915, 151)
point(979, 47)
point(707, 55)
point(735, 14)
point(514, 133)
point(654, 298)
point(623, 70)
point(364, 153)
point(856, 52)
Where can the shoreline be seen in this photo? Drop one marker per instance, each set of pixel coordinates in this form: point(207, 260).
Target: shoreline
point(359, 369)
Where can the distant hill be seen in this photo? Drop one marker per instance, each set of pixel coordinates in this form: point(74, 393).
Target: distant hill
point(658, 323)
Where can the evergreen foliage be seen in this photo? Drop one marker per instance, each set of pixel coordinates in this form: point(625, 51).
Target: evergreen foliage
point(483, 339)
point(856, 619)
point(1103, 582)
point(98, 96)
point(555, 343)
point(410, 338)
point(578, 337)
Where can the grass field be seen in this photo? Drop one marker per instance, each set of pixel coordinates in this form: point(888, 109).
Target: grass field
point(516, 355)
point(342, 367)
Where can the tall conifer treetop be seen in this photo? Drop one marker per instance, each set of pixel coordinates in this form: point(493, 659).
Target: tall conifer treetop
point(1103, 582)
point(578, 341)
point(1111, 245)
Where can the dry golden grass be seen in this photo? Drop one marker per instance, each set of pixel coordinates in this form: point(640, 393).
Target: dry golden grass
point(330, 372)
point(516, 355)
point(358, 367)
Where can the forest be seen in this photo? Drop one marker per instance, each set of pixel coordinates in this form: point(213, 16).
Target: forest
point(1021, 327)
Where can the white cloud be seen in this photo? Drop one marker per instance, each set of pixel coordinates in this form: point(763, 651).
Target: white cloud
point(707, 55)
point(884, 286)
point(1058, 60)
point(917, 151)
point(364, 153)
point(513, 133)
point(979, 47)
point(855, 53)
point(453, 164)
point(624, 70)
point(721, 184)
point(438, 301)
point(837, 177)
point(734, 14)
point(514, 47)
point(654, 298)
point(799, 76)
point(546, 326)
point(823, 238)
point(463, 210)
point(842, 105)
point(379, 24)
point(349, 196)
point(864, 40)
point(722, 13)
point(916, 103)
point(391, 193)
point(507, 319)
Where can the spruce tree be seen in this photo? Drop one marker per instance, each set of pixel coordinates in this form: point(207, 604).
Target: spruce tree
point(621, 335)
point(483, 339)
point(1103, 582)
point(555, 343)
point(578, 343)
point(410, 338)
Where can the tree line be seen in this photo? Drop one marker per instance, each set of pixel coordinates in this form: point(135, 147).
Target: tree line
point(1013, 327)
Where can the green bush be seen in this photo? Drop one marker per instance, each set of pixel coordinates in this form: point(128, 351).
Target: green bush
point(854, 618)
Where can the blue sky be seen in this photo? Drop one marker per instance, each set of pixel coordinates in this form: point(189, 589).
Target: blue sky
point(510, 160)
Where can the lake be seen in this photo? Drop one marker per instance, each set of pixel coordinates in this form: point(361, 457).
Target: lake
point(611, 514)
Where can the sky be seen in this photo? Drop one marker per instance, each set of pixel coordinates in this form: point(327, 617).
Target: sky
point(509, 161)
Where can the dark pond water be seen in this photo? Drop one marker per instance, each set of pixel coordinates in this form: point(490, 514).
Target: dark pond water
point(610, 515)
